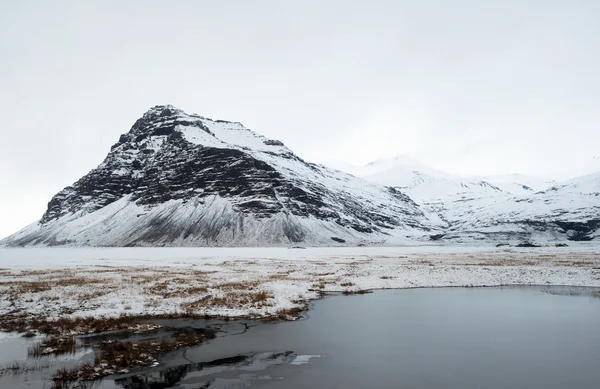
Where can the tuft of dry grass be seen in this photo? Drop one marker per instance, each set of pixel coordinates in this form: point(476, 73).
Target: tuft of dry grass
point(285, 315)
point(63, 377)
point(53, 345)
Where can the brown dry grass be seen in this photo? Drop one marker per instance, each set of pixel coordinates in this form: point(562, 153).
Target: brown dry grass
point(578, 263)
point(89, 295)
point(168, 289)
point(247, 285)
point(19, 321)
point(277, 277)
point(22, 287)
point(506, 262)
point(285, 315)
point(76, 281)
point(322, 274)
point(117, 356)
point(230, 300)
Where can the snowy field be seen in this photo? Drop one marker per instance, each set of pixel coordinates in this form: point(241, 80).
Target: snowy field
point(260, 282)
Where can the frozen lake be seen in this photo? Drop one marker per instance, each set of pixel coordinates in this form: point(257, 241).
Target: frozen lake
point(501, 337)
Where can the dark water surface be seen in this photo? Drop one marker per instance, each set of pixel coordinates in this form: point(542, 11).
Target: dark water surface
point(510, 337)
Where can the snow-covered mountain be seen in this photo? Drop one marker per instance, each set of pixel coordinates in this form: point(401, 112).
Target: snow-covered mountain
point(180, 179)
point(509, 208)
point(422, 183)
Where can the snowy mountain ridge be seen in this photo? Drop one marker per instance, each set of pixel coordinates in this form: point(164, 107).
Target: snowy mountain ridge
point(180, 179)
point(496, 208)
point(422, 182)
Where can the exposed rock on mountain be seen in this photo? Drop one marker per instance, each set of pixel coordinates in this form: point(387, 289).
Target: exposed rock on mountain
point(180, 179)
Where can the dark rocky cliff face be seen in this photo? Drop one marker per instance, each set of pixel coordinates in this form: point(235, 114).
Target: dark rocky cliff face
point(169, 156)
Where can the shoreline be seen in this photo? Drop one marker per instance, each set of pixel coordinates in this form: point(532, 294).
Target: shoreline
point(260, 283)
point(121, 354)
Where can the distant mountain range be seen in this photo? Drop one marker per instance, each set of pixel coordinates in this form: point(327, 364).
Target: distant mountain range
point(505, 208)
point(423, 183)
point(178, 179)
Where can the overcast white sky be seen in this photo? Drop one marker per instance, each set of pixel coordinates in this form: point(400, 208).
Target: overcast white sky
point(466, 86)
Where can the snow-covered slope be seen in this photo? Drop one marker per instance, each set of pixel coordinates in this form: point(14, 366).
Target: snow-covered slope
point(180, 179)
point(423, 183)
point(519, 184)
point(510, 208)
point(588, 185)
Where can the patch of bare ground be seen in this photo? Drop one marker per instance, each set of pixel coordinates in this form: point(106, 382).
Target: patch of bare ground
point(120, 357)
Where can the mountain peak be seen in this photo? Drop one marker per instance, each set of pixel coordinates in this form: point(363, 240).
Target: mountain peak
point(162, 110)
point(182, 179)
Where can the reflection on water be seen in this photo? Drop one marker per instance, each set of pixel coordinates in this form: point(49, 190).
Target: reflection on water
point(204, 375)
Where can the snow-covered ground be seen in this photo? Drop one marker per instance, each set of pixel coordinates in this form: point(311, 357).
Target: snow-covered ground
point(54, 282)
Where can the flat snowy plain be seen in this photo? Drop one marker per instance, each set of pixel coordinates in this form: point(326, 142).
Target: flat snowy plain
point(262, 282)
